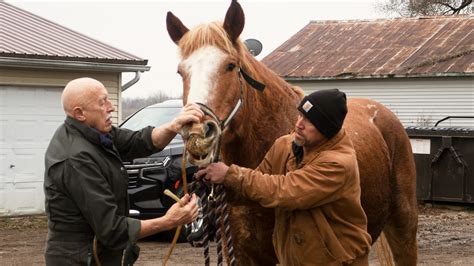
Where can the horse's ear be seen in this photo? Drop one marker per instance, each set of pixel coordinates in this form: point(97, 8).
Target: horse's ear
point(175, 27)
point(234, 20)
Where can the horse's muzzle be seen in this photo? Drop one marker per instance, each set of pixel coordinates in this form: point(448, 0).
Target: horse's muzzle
point(202, 143)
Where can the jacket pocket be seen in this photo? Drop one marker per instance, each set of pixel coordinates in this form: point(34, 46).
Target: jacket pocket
point(307, 246)
point(326, 233)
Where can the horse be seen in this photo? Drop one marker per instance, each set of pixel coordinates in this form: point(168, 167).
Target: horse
point(219, 72)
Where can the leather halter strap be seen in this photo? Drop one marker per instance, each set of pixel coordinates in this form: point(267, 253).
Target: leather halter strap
point(255, 84)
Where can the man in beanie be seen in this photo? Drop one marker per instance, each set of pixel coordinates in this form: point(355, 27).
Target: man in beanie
point(311, 178)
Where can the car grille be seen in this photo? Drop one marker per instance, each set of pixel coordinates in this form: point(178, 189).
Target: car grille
point(136, 170)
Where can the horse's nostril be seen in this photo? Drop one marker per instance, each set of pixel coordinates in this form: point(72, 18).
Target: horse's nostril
point(209, 129)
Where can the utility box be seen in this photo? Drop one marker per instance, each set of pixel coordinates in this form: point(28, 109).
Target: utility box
point(444, 160)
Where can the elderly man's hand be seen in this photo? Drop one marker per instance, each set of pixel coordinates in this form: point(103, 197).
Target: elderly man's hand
point(214, 172)
point(191, 113)
point(179, 215)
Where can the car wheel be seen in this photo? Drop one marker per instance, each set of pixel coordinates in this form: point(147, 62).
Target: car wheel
point(195, 230)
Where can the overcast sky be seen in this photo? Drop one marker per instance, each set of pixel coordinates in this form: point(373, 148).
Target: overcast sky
point(139, 27)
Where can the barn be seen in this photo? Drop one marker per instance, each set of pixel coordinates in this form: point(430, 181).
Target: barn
point(37, 59)
point(421, 68)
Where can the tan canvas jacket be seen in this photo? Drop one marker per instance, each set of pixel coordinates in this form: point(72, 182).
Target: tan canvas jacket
point(319, 219)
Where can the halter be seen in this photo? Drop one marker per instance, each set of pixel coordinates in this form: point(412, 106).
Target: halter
point(223, 124)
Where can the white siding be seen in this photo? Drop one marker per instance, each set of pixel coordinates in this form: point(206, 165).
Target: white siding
point(29, 116)
point(59, 79)
point(416, 101)
point(30, 112)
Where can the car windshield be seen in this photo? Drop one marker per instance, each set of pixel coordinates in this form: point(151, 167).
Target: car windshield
point(151, 116)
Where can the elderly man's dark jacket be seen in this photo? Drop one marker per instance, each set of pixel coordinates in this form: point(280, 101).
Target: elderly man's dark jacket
point(86, 192)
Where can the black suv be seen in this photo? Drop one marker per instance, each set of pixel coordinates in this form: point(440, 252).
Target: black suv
point(150, 176)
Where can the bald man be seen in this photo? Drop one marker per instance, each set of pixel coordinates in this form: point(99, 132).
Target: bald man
point(86, 184)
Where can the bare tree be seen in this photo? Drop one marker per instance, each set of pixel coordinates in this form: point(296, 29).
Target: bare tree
point(131, 105)
point(412, 8)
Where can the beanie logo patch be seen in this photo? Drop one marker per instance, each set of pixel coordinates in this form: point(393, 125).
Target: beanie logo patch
point(307, 106)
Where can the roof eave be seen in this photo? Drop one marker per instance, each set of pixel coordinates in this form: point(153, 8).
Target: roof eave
point(70, 65)
point(431, 75)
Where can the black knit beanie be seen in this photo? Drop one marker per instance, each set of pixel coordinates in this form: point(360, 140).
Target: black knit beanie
point(326, 109)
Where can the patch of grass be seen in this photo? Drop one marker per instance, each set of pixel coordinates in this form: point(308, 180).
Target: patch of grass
point(23, 222)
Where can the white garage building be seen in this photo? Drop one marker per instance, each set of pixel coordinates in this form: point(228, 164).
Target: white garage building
point(421, 68)
point(37, 59)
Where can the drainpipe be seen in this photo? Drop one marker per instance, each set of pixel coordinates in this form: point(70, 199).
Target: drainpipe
point(131, 82)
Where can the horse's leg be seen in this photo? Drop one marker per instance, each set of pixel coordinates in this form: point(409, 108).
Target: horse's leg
point(252, 229)
point(403, 221)
point(402, 224)
point(401, 236)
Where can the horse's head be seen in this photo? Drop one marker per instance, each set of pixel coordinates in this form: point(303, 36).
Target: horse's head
point(211, 59)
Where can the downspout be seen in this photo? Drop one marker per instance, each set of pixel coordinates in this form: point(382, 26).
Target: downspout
point(131, 82)
point(126, 86)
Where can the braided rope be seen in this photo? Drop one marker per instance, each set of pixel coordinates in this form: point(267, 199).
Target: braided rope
point(200, 189)
point(218, 225)
point(225, 211)
point(221, 218)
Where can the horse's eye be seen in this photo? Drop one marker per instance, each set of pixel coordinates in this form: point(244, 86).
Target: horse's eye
point(230, 67)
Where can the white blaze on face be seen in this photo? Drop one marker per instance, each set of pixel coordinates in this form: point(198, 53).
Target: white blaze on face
point(202, 66)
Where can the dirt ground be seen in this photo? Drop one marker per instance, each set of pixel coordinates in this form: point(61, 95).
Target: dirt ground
point(445, 236)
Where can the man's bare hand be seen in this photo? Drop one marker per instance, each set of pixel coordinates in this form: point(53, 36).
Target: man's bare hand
point(179, 215)
point(191, 113)
point(214, 172)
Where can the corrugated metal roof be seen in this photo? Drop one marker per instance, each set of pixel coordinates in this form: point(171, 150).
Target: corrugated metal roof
point(26, 35)
point(429, 46)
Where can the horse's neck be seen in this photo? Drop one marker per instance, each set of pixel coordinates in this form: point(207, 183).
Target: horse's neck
point(264, 118)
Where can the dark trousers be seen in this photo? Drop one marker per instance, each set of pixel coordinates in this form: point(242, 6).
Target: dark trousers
point(59, 253)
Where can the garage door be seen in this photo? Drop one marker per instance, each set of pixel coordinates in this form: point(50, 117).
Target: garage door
point(28, 118)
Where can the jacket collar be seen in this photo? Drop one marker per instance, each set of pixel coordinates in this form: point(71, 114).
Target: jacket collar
point(91, 134)
point(309, 155)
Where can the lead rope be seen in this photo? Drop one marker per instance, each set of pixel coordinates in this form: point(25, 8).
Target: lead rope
point(222, 210)
point(223, 214)
point(218, 229)
point(199, 188)
point(94, 250)
point(230, 242)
